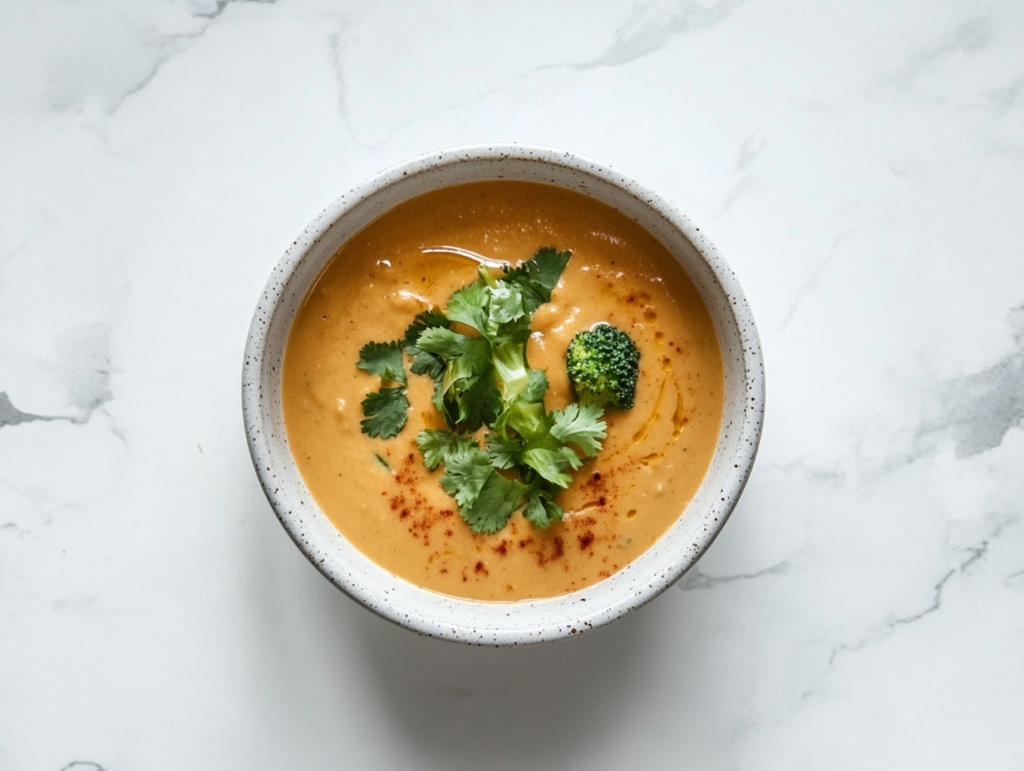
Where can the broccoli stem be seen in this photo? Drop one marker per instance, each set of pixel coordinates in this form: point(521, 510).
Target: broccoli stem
point(529, 420)
point(512, 370)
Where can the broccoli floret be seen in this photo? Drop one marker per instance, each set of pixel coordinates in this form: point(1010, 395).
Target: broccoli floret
point(603, 365)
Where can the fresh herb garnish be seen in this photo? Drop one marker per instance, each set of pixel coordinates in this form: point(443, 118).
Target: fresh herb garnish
point(385, 410)
point(485, 380)
point(498, 500)
point(384, 359)
point(482, 379)
point(424, 363)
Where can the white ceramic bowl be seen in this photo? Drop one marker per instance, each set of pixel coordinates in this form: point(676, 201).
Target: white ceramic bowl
point(524, 621)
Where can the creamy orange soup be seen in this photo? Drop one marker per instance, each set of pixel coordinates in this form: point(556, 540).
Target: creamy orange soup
point(395, 511)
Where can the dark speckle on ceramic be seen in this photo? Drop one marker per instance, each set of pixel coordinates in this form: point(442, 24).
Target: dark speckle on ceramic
point(491, 623)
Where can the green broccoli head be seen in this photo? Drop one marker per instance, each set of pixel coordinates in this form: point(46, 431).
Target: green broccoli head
point(603, 365)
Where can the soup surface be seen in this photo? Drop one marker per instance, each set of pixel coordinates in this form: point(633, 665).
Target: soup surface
point(379, 494)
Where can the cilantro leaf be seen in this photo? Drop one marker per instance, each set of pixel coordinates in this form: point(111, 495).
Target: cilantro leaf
point(498, 499)
point(466, 469)
point(536, 387)
point(386, 412)
point(384, 359)
point(447, 407)
point(449, 344)
point(429, 364)
point(549, 463)
point(581, 425)
point(467, 403)
point(479, 401)
point(503, 450)
point(423, 321)
point(469, 306)
point(541, 509)
point(466, 395)
point(438, 444)
point(423, 362)
point(539, 276)
point(435, 444)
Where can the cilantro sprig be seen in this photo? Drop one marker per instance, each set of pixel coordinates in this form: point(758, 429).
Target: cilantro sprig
point(482, 380)
point(386, 410)
point(486, 498)
point(384, 359)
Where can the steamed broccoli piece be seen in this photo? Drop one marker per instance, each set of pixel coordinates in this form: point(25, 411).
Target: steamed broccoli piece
point(603, 365)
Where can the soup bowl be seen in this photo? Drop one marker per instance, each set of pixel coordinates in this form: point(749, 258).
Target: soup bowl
point(522, 621)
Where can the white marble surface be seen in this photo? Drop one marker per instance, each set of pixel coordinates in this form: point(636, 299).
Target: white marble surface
point(861, 165)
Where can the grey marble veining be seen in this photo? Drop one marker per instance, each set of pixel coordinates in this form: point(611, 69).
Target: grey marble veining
point(652, 25)
point(891, 626)
point(12, 416)
point(977, 410)
point(82, 368)
point(221, 5)
point(969, 37)
point(696, 580)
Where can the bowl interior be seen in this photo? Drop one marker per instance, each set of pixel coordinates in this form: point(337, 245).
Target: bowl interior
point(522, 621)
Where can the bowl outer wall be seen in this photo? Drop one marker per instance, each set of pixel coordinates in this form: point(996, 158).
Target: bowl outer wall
point(523, 621)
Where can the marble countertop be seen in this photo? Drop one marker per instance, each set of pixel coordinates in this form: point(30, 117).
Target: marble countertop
point(860, 165)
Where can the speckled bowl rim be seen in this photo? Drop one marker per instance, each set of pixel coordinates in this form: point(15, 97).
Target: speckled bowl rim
point(524, 621)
